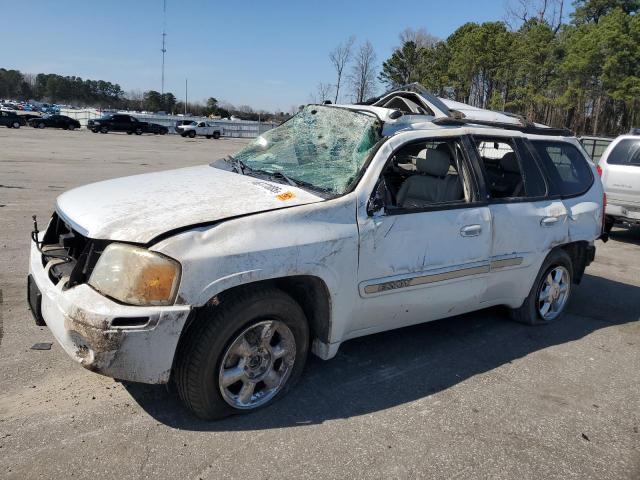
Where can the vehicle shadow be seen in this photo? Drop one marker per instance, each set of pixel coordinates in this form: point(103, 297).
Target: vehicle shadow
point(385, 370)
point(626, 235)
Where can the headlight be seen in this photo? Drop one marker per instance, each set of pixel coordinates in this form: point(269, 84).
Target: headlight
point(96, 122)
point(136, 276)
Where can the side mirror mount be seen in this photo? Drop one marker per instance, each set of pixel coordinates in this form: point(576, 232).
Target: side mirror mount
point(376, 202)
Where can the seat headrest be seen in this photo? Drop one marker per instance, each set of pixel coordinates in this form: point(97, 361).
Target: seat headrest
point(509, 163)
point(436, 163)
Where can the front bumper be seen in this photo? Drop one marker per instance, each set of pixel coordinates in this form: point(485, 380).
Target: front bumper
point(81, 321)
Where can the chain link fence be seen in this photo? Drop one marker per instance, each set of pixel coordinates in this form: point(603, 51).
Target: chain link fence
point(230, 128)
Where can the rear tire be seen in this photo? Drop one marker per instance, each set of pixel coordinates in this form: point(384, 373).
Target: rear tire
point(208, 137)
point(210, 349)
point(216, 135)
point(138, 131)
point(538, 308)
point(104, 130)
point(15, 125)
point(192, 134)
point(71, 128)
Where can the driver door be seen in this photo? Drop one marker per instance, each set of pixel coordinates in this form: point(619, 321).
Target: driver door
point(425, 248)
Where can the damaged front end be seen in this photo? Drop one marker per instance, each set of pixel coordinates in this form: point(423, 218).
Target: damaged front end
point(123, 341)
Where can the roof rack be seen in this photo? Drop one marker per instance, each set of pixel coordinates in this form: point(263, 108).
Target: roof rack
point(525, 128)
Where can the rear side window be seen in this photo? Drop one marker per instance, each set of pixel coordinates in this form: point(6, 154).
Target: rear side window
point(508, 175)
point(626, 152)
point(569, 173)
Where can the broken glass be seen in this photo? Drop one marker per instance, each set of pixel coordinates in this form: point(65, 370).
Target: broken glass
point(321, 146)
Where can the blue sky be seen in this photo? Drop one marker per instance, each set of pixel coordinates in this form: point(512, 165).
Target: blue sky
point(269, 54)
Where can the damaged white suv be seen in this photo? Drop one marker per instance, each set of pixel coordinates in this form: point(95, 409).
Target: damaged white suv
point(344, 221)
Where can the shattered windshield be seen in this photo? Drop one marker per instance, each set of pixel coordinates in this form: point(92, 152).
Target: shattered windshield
point(322, 147)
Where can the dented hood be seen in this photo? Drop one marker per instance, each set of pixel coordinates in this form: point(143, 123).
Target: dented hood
point(141, 207)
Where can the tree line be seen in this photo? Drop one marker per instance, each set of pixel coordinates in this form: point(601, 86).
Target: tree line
point(72, 90)
point(583, 75)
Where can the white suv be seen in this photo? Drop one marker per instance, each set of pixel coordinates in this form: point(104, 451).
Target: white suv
point(620, 166)
point(344, 221)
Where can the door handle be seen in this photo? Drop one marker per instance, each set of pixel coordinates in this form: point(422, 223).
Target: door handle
point(471, 230)
point(548, 221)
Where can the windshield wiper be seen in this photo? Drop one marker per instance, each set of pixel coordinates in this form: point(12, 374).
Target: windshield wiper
point(293, 183)
point(237, 164)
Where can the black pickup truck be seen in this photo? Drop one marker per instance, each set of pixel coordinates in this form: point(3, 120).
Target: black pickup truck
point(124, 123)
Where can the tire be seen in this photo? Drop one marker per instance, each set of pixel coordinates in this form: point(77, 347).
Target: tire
point(192, 134)
point(164, 131)
point(531, 311)
point(129, 133)
point(216, 135)
point(15, 125)
point(138, 131)
point(41, 125)
point(213, 338)
point(183, 135)
point(104, 130)
point(71, 128)
point(208, 137)
point(95, 130)
point(609, 222)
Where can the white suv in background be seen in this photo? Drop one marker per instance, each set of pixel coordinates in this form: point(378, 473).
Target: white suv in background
point(344, 221)
point(620, 164)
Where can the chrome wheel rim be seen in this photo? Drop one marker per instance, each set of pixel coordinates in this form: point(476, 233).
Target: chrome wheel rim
point(554, 293)
point(257, 364)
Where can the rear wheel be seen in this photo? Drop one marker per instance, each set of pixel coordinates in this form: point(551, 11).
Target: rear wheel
point(104, 130)
point(243, 354)
point(550, 293)
point(138, 131)
point(192, 134)
point(216, 135)
point(208, 136)
point(15, 125)
point(71, 127)
point(41, 125)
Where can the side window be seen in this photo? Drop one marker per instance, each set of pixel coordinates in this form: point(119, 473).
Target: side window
point(568, 170)
point(428, 173)
point(508, 173)
point(626, 152)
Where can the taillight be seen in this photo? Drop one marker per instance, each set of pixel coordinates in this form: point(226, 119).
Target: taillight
point(599, 169)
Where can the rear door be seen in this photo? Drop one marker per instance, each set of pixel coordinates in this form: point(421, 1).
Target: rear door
point(572, 179)
point(121, 123)
point(526, 222)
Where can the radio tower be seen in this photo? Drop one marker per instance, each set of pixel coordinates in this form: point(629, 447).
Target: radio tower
point(164, 36)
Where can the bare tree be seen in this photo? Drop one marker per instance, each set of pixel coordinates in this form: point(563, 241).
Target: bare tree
point(324, 91)
point(519, 12)
point(420, 37)
point(363, 72)
point(340, 57)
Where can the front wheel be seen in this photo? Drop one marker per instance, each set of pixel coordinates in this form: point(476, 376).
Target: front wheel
point(138, 131)
point(15, 125)
point(104, 130)
point(550, 293)
point(71, 127)
point(216, 135)
point(192, 134)
point(243, 354)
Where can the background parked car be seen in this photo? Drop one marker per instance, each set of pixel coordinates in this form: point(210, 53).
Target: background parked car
point(620, 166)
point(205, 129)
point(54, 121)
point(11, 119)
point(157, 129)
point(124, 123)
